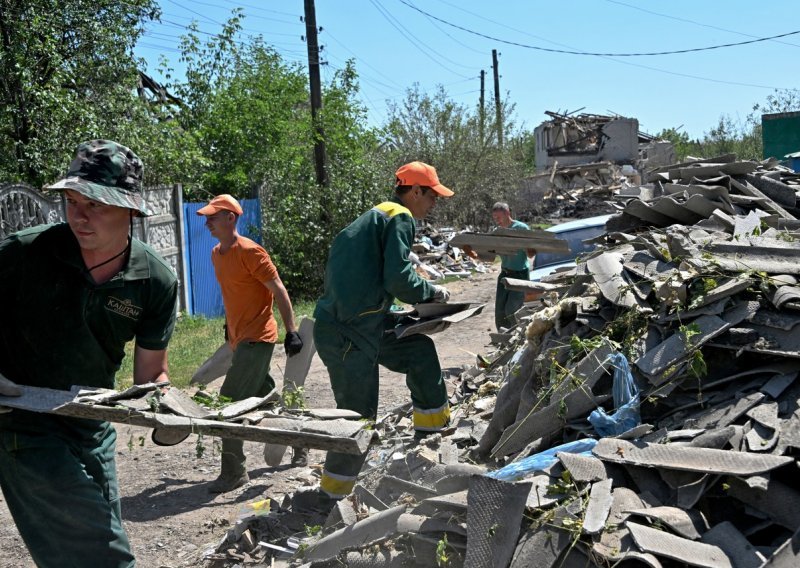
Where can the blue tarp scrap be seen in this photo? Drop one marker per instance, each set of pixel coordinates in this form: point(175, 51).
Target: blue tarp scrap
point(626, 402)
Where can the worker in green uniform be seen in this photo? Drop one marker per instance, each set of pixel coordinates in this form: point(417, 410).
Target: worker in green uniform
point(368, 267)
point(76, 293)
point(516, 265)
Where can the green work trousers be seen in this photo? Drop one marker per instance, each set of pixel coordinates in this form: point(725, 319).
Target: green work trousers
point(354, 379)
point(248, 376)
point(507, 302)
point(59, 479)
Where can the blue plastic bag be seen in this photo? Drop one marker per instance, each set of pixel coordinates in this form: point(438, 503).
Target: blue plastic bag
point(626, 402)
point(542, 460)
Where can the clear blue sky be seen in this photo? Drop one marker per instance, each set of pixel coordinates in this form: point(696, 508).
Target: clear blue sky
point(395, 46)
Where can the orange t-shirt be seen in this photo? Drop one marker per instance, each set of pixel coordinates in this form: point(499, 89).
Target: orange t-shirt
point(241, 273)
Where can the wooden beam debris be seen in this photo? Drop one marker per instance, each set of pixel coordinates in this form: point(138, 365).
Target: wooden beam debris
point(351, 439)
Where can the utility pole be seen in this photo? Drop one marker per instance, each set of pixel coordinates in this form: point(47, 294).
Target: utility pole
point(320, 157)
point(497, 99)
point(482, 110)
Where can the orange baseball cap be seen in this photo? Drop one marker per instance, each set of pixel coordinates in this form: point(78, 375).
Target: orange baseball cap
point(420, 173)
point(222, 202)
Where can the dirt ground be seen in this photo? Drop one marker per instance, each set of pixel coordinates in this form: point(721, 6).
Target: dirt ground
point(171, 518)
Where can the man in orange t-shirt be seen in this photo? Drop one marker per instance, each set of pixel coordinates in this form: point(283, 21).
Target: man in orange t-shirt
point(249, 283)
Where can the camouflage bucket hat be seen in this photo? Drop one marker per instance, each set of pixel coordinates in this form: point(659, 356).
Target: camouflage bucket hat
point(106, 172)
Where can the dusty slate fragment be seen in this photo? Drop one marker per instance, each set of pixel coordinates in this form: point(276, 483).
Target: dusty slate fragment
point(785, 295)
point(425, 548)
point(648, 480)
point(742, 258)
point(332, 413)
point(454, 502)
point(371, 529)
point(242, 406)
point(763, 200)
point(617, 546)
point(780, 502)
point(688, 495)
point(598, 508)
point(373, 559)
point(747, 226)
point(734, 544)
point(540, 495)
point(648, 213)
point(728, 287)
point(646, 266)
point(588, 371)
point(417, 523)
point(779, 383)
point(548, 421)
point(688, 524)
point(367, 498)
point(494, 516)
point(713, 309)
point(682, 434)
point(180, 403)
point(342, 513)
point(456, 477)
point(673, 350)
point(704, 460)
point(391, 485)
point(689, 486)
point(789, 433)
point(636, 432)
point(662, 543)
point(616, 288)
point(761, 438)
point(541, 547)
point(774, 189)
point(726, 414)
point(703, 206)
point(583, 468)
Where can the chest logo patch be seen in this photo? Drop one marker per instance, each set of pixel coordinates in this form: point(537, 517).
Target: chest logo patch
point(123, 308)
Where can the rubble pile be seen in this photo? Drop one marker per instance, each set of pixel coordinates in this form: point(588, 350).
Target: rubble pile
point(645, 411)
point(434, 257)
point(580, 190)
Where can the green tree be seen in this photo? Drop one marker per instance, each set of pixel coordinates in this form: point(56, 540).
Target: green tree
point(68, 74)
point(249, 112)
point(439, 131)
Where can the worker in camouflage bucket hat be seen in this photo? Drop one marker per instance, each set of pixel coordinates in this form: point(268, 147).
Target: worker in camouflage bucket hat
point(79, 291)
point(107, 172)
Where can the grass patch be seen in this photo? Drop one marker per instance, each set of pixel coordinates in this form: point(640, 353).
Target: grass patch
point(194, 340)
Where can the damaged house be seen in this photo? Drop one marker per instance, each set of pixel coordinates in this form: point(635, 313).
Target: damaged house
point(586, 138)
point(581, 160)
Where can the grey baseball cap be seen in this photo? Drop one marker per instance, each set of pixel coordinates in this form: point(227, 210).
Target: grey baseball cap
point(107, 172)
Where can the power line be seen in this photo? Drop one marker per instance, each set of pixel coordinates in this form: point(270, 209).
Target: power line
point(262, 9)
point(595, 54)
point(243, 29)
point(158, 47)
point(360, 59)
point(620, 61)
point(405, 33)
point(196, 13)
point(679, 19)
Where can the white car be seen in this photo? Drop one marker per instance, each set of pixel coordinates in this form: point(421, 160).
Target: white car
point(575, 233)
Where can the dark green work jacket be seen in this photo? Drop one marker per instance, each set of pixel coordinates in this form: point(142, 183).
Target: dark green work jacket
point(59, 329)
point(368, 267)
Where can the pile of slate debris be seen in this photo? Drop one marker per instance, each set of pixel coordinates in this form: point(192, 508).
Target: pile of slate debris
point(694, 290)
point(435, 258)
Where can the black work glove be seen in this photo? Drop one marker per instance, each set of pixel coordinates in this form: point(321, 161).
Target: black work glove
point(293, 343)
